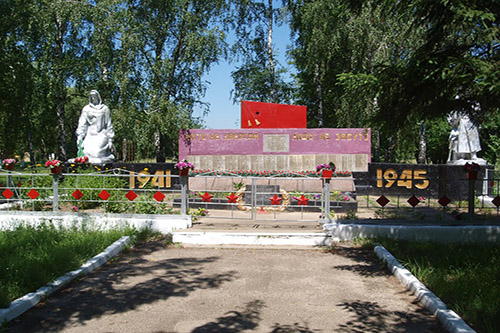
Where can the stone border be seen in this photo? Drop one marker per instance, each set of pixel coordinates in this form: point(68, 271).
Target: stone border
point(448, 318)
point(251, 238)
point(102, 221)
point(26, 302)
point(425, 233)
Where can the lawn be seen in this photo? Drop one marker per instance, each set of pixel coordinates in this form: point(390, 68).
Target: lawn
point(465, 276)
point(34, 256)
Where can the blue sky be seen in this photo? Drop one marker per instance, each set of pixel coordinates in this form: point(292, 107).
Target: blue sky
point(223, 113)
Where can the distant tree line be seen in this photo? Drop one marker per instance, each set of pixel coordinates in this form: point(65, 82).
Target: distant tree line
point(396, 66)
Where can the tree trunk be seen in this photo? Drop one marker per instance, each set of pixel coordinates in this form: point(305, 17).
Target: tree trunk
point(59, 90)
point(422, 146)
point(159, 147)
point(319, 91)
point(389, 152)
point(376, 154)
point(270, 50)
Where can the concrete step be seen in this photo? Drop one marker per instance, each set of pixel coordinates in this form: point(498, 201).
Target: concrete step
point(226, 237)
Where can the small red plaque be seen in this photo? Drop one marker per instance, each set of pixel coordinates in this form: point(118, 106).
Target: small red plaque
point(382, 201)
point(158, 196)
point(77, 194)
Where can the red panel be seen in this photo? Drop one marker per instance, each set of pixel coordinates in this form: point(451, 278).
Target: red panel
point(270, 115)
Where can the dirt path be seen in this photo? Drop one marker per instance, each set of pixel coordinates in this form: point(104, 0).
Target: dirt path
point(201, 289)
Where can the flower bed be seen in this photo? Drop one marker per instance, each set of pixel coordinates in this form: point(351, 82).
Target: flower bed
point(273, 173)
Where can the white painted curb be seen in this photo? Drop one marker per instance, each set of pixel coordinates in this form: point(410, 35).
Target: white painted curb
point(22, 304)
point(251, 238)
point(448, 318)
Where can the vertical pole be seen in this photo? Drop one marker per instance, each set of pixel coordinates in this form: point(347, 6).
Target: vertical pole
point(253, 200)
point(327, 199)
point(471, 204)
point(184, 193)
point(55, 194)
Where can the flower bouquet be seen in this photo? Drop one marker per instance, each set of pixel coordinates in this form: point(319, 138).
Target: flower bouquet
point(472, 170)
point(9, 163)
point(326, 170)
point(54, 165)
point(183, 167)
point(81, 159)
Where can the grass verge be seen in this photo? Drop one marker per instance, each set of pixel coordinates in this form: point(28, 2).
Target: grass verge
point(465, 276)
point(34, 256)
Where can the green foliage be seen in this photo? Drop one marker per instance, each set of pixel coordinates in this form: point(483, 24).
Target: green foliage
point(438, 131)
point(260, 77)
point(464, 276)
point(34, 256)
point(350, 215)
point(91, 184)
point(386, 65)
point(391, 65)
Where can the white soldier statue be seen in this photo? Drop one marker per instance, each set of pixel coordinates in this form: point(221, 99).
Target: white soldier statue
point(95, 131)
point(463, 140)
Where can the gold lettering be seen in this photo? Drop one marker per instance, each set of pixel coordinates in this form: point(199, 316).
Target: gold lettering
point(380, 182)
point(405, 179)
point(131, 179)
point(390, 175)
point(349, 136)
point(168, 180)
point(158, 180)
point(143, 177)
point(421, 174)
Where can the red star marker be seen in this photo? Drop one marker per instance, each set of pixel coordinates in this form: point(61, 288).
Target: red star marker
point(303, 200)
point(275, 200)
point(206, 197)
point(232, 198)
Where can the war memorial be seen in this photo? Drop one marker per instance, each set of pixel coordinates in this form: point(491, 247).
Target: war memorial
point(262, 174)
point(274, 138)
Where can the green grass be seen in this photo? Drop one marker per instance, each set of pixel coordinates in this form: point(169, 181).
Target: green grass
point(465, 277)
point(31, 257)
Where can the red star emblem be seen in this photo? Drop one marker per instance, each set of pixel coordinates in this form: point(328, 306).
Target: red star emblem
point(275, 200)
point(232, 198)
point(206, 197)
point(303, 200)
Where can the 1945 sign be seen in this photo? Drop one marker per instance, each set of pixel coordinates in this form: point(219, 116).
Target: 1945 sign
point(407, 178)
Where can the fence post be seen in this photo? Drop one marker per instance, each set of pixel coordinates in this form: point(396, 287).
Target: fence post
point(326, 199)
point(184, 192)
point(55, 192)
point(472, 199)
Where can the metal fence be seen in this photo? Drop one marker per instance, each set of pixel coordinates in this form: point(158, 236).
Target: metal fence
point(108, 192)
point(245, 198)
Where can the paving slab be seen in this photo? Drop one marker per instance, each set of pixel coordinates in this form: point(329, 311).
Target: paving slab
point(153, 288)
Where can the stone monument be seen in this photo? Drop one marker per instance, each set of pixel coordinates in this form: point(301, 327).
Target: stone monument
point(463, 140)
point(95, 131)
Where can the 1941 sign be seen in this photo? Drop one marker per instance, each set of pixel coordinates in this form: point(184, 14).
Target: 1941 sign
point(157, 179)
point(155, 175)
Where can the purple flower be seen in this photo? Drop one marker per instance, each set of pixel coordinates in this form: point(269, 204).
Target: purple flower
point(183, 165)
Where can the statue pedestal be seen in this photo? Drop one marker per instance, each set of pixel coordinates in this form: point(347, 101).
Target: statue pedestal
point(462, 161)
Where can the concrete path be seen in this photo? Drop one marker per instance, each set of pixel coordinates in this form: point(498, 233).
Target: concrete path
point(233, 289)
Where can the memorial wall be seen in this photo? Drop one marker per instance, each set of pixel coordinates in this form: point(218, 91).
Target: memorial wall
point(296, 149)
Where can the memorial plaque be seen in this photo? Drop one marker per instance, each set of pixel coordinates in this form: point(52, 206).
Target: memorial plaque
point(296, 149)
point(276, 143)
